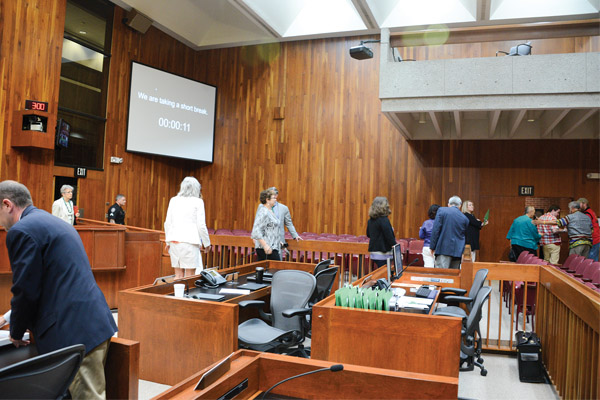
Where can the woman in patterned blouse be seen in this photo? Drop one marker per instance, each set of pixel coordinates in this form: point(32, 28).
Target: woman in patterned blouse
point(265, 231)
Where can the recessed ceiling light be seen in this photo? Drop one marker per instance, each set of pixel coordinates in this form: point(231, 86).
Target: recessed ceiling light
point(83, 32)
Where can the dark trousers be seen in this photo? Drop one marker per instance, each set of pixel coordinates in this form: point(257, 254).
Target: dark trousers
point(519, 249)
point(261, 255)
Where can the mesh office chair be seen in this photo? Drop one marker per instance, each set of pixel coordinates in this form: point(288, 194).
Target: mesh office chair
point(454, 296)
point(322, 266)
point(325, 280)
point(470, 345)
point(290, 292)
point(46, 376)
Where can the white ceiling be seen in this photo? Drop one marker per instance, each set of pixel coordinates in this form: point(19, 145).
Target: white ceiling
point(208, 24)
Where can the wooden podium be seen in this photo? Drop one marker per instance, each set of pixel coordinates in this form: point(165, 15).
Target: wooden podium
point(253, 373)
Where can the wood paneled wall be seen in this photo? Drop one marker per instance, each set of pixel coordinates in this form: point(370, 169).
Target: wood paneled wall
point(302, 116)
point(30, 54)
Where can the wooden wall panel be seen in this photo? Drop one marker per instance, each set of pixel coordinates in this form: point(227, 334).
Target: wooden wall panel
point(330, 151)
point(30, 59)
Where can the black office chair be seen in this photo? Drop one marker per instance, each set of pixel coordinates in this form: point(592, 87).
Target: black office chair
point(455, 296)
point(470, 346)
point(523, 49)
point(46, 376)
point(290, 292)
point(322, 266)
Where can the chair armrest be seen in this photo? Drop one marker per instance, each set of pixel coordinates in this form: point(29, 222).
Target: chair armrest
point(294, 312)
point(571, 271)
point(457, 299)
point(578, 275)
point(457, 291)
point(446, 314)
point(251, 303)
point(587, 279)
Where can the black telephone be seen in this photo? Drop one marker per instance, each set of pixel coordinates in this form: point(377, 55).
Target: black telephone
point(382, 284)
point(210, 278)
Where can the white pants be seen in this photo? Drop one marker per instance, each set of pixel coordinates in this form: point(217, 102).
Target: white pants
point(427, 257)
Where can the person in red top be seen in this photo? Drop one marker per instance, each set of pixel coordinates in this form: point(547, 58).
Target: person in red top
point(550, 238)
point(585, 208)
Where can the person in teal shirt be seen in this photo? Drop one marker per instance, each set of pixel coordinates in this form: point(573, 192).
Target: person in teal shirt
point(523, 234)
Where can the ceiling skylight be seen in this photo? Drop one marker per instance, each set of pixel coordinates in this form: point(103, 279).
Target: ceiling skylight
point(507, 9)
point(395, 13)
point(292, 18)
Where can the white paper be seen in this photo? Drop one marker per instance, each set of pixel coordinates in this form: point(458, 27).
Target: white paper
point(234, 291)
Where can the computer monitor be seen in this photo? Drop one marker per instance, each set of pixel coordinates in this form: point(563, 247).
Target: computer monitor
point(397, 251)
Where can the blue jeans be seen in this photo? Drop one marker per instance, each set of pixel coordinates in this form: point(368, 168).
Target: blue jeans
point(594, 252)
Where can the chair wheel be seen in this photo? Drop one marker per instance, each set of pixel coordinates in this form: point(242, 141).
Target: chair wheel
point(483, 372)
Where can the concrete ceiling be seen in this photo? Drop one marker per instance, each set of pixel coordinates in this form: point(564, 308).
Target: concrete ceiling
point(208, 24)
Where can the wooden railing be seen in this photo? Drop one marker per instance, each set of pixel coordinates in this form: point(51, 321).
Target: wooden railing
point(566, 315)
point(352, 258)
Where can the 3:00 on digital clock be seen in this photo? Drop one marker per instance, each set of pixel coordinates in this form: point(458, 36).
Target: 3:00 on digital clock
point(174, 124)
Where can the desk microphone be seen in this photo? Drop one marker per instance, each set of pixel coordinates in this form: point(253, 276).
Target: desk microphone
point(333, 368)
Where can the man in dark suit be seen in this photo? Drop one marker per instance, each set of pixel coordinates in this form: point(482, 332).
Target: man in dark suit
point(54, 291)
point(448, 235)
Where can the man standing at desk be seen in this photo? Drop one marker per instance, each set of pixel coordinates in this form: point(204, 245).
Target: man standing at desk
point(54, 292)
point(448, 235)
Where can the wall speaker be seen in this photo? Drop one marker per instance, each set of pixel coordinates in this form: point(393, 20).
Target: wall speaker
point(137, 21)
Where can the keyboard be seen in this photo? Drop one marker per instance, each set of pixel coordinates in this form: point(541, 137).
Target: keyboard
point(423, 292)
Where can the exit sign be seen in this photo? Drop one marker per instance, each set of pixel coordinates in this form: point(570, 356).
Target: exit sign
point(525, 190)
point(80, 172)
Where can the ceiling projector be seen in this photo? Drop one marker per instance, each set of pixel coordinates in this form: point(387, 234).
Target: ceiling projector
point(361, 52)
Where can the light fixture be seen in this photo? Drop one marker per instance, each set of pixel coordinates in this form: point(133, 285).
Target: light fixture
point(362, 52)
point(422, 118)
point(530, 116)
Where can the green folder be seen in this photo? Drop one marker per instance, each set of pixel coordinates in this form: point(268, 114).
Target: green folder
point(487, 216)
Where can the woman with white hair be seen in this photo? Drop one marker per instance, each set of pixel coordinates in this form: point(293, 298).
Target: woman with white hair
point(63, 208)
point(185, 229)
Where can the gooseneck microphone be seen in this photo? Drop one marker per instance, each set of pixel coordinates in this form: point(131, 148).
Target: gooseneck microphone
point(333, 368)
point(399, 274)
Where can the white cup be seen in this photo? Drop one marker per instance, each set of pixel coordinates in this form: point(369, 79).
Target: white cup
point(179, 289)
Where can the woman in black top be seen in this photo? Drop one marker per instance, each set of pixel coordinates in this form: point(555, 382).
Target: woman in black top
point(380, 231)
point(475, 225)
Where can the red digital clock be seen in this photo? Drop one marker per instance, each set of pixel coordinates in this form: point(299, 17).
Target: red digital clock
point(36, 105)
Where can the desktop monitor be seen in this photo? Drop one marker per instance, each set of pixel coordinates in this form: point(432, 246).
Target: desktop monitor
point(397, 251)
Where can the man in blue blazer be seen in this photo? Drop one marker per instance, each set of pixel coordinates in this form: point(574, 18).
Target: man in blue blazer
point(448, 235)
point(54, 291)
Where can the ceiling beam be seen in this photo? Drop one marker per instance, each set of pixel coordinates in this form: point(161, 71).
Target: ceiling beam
point(493, 33)
point(514, 120)
point(365, 13)
point(494, 117)
point(436, 119)
point(458, 123)
point(574, 119)
point(550, 119)
point(402, 122)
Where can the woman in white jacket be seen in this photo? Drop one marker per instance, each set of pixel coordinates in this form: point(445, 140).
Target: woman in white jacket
point(63, 208)
point(185, 229)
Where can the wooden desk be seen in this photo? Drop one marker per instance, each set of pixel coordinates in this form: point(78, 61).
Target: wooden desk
point(395, 340)
point(119, 260)
point(264, 370)
point(180, 336)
